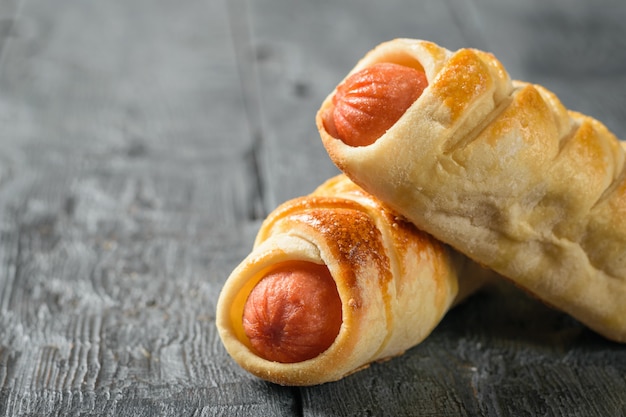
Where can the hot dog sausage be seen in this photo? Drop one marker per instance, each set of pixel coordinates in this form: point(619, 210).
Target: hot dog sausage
point(293, 313)
point(370, 101)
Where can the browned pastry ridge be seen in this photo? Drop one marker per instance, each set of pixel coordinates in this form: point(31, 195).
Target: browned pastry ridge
point(504, 173)
point(395, 282)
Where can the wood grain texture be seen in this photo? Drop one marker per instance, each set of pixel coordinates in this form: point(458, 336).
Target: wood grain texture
point(126, 194)
point(499, 354)
point(142, 142)
point(574, 48)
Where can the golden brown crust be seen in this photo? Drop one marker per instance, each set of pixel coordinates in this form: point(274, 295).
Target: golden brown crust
point(395, 282)
point(501, 171)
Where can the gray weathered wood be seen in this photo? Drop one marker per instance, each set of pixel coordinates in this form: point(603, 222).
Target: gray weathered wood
point(575, 48)
point(499, 354)
point(125, 192)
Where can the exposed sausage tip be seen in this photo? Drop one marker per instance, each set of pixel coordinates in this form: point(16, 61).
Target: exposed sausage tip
point(293, 313)
point(370, 101)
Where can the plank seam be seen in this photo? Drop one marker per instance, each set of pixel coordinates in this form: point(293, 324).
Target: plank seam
point(237, 11)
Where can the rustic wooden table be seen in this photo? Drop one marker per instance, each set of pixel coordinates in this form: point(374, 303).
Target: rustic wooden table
point(142, 142)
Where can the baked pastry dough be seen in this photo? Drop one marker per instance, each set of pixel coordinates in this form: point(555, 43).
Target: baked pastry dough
point(504, 173)
point(395, 282)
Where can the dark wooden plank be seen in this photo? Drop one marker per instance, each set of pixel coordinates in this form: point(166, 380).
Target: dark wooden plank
point(144, 72)
point(126, 198)
point(574, 48)
point(8, 26)
point(499, 354)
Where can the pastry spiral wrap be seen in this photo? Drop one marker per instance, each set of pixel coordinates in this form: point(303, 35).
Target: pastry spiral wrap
point(504, 173)
point(395, 282)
